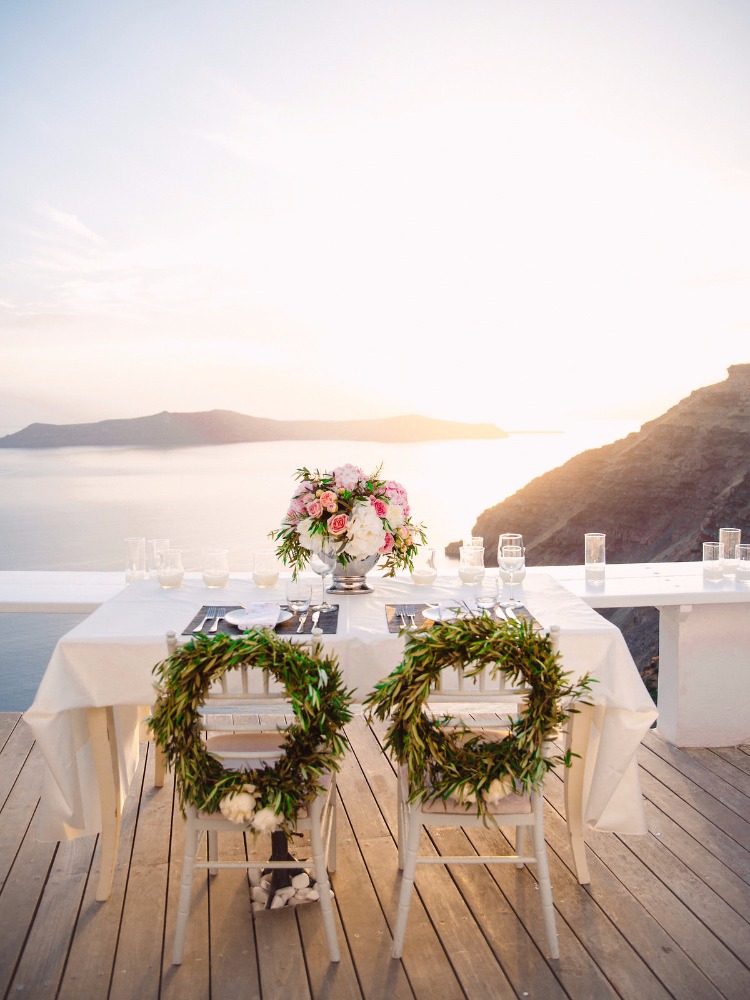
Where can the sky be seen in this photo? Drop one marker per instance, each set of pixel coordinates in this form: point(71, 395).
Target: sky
point(527, 212)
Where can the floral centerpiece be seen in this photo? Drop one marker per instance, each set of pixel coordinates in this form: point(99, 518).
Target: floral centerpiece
point(348, 516)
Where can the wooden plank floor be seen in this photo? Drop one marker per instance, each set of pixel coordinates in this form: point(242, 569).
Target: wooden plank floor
point(665, 915)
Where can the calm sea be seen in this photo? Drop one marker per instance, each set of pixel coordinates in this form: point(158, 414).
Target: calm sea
point(71, 508)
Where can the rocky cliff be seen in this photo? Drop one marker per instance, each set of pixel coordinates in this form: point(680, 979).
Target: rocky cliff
point(657, 493)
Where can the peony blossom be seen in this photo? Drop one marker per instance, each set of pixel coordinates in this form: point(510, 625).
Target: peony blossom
point(307, 539)
point(394, 515)
point(499, 789)
point(266, 820)
point(239, 807)
point(338, 524)
point(347, 476)
point(365, 532)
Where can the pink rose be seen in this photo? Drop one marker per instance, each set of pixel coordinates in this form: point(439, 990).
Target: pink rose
point(337, 524)
point(387, 545)
point(329, 500)
point(381, 509)
point(314, 508)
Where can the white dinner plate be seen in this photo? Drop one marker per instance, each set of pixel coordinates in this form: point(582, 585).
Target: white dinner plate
point(240, 618)
point(436, 615)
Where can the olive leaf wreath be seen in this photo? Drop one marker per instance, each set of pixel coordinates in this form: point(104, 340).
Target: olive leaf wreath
point(313, 744)
point(443, 762)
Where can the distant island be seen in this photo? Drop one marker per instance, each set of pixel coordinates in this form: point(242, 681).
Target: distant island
point(182, 430)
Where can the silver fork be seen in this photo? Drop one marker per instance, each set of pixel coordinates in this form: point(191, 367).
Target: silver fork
point(410, 612)
point(401, 612)
point(220, 612)
point(210, 613)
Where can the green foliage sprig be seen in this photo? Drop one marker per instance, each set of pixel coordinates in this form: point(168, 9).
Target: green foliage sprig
point(459, 762)
point(313, 744)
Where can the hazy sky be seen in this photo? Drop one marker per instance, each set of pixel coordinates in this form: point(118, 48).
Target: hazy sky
point(522, 211)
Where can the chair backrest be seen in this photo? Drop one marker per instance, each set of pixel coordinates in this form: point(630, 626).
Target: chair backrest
point(451, 675)
point(298, 714)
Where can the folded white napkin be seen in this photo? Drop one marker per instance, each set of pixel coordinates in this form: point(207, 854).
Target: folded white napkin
point(261, 614)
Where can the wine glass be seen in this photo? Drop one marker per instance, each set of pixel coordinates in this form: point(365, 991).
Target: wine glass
point(511, 560)
point(298, 595)
point(320, 565)
point(509, 538)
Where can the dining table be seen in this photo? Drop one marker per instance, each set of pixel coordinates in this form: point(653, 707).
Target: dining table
point(98, 688)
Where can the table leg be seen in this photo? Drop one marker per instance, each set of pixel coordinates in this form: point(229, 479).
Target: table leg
point(101, 723)
point(577, 739)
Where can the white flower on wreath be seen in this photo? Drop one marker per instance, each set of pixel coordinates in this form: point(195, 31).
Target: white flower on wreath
point(266, 820)
point(239, 806)
point(465, 795)
point(365, 531)
point(499, 788)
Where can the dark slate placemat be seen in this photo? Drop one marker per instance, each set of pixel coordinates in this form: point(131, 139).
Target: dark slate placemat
point(395, 623)
point(328, 622)
point(393, 616)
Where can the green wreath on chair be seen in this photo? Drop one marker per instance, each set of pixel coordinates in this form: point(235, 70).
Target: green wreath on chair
point(268, 798)
point(460, 763)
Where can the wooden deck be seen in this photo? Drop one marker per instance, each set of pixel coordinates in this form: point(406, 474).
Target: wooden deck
point(665, 915)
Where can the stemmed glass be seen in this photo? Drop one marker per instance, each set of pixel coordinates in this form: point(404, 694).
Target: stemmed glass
point(320, 565)
point(511, 560)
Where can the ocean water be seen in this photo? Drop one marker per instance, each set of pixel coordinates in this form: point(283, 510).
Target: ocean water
point(71, 508)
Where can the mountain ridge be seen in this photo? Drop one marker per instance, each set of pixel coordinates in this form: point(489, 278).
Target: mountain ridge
point(181, 430)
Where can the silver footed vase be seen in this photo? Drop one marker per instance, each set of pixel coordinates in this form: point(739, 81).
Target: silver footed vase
point(352, 577)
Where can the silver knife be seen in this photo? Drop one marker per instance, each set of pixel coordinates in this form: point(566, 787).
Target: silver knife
point(500, 612)
point(302, 620)
point(510, 613)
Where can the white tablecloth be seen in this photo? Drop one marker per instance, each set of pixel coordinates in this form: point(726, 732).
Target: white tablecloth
point(108, 660)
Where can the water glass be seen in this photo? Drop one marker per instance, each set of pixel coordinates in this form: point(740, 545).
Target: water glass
point(170, 571)
point(486, 593)
point(729, 538)
point(594, 555)
point(265, 568)
point(713, 563)
point(135, 559)
point(215, 567)
point(471, 563)
point(154, 546)
point(742, 552)
point(474, 540)
point(424, 569)
point(298, 595)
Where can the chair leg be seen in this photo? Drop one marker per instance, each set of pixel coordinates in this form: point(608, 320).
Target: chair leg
point(412, 824)
point(331, 828)
point(192, 839)
point(401, 826)
point(212, 850)
point(323, 883)
point(520, 844)
point(543, 879)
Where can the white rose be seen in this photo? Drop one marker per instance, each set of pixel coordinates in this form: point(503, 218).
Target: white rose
point(239, 807)
point(266, 820)
point(499, 789)
point(365, 531)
